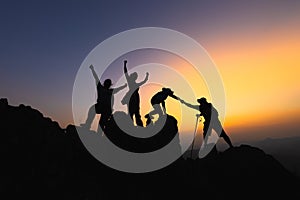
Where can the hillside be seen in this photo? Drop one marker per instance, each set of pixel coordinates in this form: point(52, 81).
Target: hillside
point(42, 160)
point(285, 150)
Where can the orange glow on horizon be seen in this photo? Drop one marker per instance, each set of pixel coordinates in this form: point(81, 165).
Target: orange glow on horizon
point(260, 78)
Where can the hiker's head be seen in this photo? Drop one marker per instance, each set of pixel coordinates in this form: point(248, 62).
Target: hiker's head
point(202, 100)
point(133, 76)
point(107, 83)
point(167, 91)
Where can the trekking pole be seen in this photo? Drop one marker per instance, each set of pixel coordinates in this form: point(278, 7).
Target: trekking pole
point(197, 118)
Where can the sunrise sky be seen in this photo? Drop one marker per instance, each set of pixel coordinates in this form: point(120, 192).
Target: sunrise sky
point(255, 45)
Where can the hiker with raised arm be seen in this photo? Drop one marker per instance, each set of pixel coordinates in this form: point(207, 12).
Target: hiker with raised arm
point(105, 99)
point(210, 115)
point(132, 97)
point(158, 103)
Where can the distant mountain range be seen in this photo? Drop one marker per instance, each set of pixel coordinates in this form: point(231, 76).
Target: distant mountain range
point(285, 150)
point(41, 160)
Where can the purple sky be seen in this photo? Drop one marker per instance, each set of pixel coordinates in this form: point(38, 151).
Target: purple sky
point(43, 43)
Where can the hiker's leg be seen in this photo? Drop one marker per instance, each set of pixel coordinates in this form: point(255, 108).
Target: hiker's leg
point(101, 123)
point(138, 119)
point(154, 111)
point(226, 138)
point(219, 129)
point(148, 121)
point(131, 114)
point(103, 120)
point(205, 130)
point(91, 116)
point(137, 114)
point(158, 109)
point(206, 133)
point(133, 103)
point(149, 116)
point(130, 110)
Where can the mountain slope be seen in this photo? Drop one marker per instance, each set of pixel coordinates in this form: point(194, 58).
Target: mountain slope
point(41, 160)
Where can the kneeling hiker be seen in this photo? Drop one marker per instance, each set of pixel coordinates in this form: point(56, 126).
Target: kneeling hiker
point(156, 100)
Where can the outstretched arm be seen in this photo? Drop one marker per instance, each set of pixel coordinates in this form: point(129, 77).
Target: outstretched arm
point(174, 97)
point(125, 70)
point(145, 80)
point(196, 107)
point(94, 74)
point(116, 90)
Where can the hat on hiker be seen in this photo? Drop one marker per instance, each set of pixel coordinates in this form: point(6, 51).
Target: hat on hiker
point(202, 100)
point(167, 90)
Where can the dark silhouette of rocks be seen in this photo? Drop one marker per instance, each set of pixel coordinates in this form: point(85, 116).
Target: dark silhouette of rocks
point(169, 131)
point(41, 160)
point(285, 150)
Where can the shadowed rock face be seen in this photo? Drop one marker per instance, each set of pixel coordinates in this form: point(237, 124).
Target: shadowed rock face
point(41, 160)
point(161, 133)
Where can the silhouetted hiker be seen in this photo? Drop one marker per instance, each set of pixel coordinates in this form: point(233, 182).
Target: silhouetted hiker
point(156, 100)
point(104, 101)
point(132, 97)
point(210, 114)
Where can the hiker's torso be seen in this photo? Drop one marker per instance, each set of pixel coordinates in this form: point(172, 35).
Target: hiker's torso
point(133, 86)
point(158, 98)
point(133, 91)
point(105, 96)
point(208, 112)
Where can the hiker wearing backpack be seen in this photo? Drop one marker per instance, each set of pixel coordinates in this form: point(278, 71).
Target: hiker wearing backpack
point(210, 115)
point(105, 99)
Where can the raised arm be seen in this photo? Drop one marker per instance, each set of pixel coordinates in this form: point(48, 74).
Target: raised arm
point(94, 74)
point(195, 107)
point(144, 81)
point(116, 90)
point(125, 70)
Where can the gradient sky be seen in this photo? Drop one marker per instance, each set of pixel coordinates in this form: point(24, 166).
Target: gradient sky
point(254, 44)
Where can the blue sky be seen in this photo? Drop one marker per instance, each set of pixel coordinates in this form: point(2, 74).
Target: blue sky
point(43, 43)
